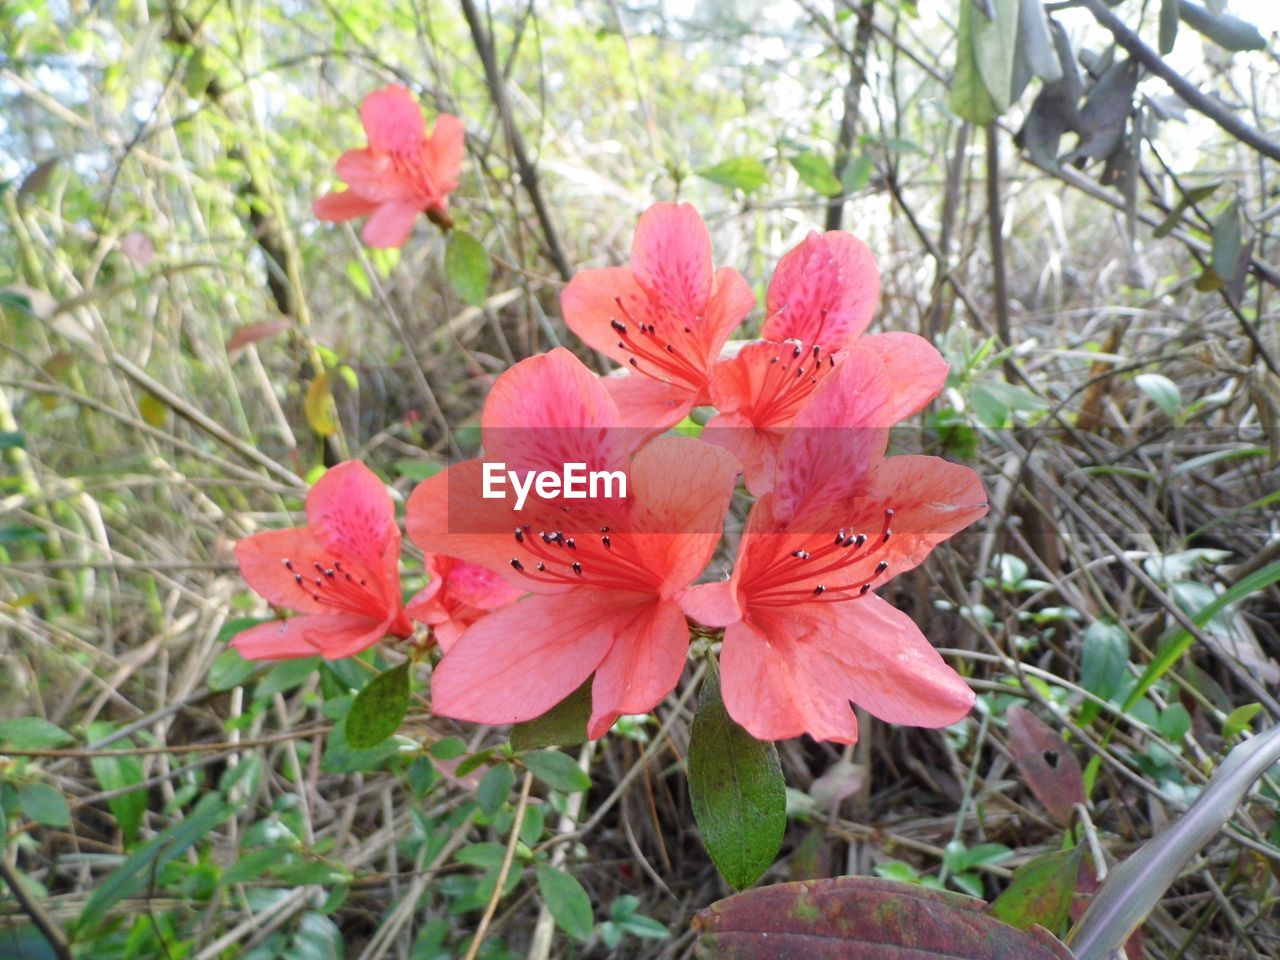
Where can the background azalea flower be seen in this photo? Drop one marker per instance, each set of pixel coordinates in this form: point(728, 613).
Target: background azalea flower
point(458, 595)
point(820, 300)
point(401, 173)
point(341, 571)
point(804, 633)
point(666, 316)
point(603, 580)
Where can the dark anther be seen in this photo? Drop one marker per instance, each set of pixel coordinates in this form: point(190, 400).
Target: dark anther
point(817, 351)
point(819, 590)
point(608, 544)
point(881, 567)
point(840, 536)
point(604, 528)
point(862, 590)
point(515, 562)
point(634, 364)
point(859, 540)
point(519, 535)
point(795, 354)
point(670, 348)
point(546, 537)
point(571, 543)
point(800, 554)
point(618, 325)
point(288, 564)
point(297, 578)
point(577, 568)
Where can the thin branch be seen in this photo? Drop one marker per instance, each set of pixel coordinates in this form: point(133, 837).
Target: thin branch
point(1183, 87)
point(55, 937)
point(528, 172)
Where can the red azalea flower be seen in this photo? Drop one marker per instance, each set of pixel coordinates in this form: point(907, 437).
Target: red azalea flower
point(341, 571)
point(402, 173)
point(667, 316)
point(819, 302)
point(458, 595)
point(804, 634)
point(604, 576)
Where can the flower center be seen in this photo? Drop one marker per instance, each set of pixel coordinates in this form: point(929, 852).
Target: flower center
point(788, 382)
point(806, 574)
point(653, 353)
point(607, 560)
point(338, 588)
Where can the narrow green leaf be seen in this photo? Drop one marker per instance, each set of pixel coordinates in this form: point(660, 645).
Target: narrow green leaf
point(564, 725)
point(379, 708)
point(1230, 33)
point(557, 770)
point(33, 733)
point(567, 901)
point(817, 174)
point(1191, 196)
point(467, 264)
point(739, 796)
point(742, 173)
point(132, 875)
point(1228, 234)
point(1168, 25)
point(994, 42)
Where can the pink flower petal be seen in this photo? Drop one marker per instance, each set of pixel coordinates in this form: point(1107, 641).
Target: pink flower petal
point(331, 637)
point(393, 120)
point(549, 410)
point(390, 224)
point(339, 207)
point(590, 306)
point(374, 176)
point(442, 155)
point(915, 368)
point(262, 558)
point(518, 663)
point(648, 405)
point(671, 257)
point(680, 490)
point(351, 513)
point(712, 604)
point(643, 665)
point(823, 291)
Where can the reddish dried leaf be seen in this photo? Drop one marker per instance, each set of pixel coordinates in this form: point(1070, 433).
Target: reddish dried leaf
point(1047, 764)
point(858, 918)
point(255, 332)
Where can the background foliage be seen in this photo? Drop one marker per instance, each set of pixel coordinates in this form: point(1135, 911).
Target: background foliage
point(182, 345)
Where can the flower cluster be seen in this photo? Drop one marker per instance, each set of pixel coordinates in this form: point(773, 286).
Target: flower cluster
point(530, 599)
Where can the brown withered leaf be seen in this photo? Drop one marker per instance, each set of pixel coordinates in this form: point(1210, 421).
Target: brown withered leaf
point(1047, 764)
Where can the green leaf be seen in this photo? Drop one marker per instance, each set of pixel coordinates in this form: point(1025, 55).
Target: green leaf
point(229, 670)
point(495, 788)
point(1228, 32)
point(134, 874)
point(1040, 892)
point(1228, 235)
point(116, 773)
point(1175, 722)
point(567, 901)
point(817, 174)
point(10, 440)
point(448, 748)
point(742, 173)
point(378, 709)
point(466, 263)
point(1239, 719)
point(1104, 663)
point(970, 99)
point(1189, 197)
point(33, 733)
point(1164, 393)
point(994, 42)
point(857, 174)
point(557, 770)
point(739, 796)
point(564, 725)
point(1168, 25)
point(43, 804)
